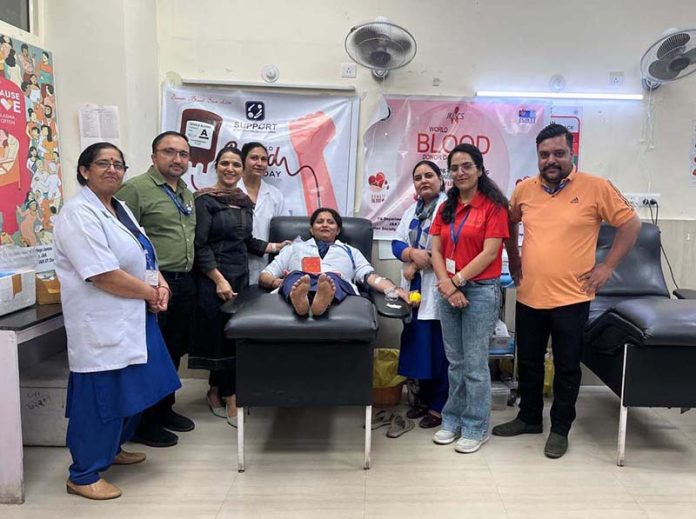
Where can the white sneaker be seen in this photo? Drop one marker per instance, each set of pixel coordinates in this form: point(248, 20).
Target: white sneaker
point(467, 445)
point(444, 437)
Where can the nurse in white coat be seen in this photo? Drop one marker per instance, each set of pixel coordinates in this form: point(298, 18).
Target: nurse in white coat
point(268, 199)
point(422, 354)
point(110, 291)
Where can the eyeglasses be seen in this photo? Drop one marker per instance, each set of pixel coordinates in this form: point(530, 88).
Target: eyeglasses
point(170, 153)
point(464, 166)
point(106, 164)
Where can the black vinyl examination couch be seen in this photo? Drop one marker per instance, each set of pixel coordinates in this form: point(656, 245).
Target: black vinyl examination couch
point(288, 361)
point(639, 341)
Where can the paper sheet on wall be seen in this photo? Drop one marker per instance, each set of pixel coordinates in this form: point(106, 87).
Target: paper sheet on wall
point(98, 124)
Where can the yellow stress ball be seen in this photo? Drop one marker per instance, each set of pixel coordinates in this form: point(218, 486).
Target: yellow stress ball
point(414, 297)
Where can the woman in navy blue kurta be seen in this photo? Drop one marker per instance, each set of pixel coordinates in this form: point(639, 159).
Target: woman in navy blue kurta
point(422, 354)
point(119, 364)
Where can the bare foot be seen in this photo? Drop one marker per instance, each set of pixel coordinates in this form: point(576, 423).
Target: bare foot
point(325, 294)
point(231, 406)
point(214, 398)
point(298, 296)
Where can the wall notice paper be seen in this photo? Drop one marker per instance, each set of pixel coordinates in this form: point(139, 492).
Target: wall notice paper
point(98, 124)
point(311, 140)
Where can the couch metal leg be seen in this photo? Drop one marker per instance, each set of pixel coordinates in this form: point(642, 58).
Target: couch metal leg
point(368, 436)
point(623, 416)
point(240, 439)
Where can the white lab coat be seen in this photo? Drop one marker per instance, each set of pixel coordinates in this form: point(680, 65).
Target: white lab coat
point(104, 331)
point(337, 260)
point(428, 308)
point(269, 203)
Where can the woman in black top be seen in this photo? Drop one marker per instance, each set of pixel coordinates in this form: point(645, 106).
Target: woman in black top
point(224, 218)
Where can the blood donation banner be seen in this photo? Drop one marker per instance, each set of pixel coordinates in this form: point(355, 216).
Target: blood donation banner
point(30, 175)
point(311, 140)
point(407, 129)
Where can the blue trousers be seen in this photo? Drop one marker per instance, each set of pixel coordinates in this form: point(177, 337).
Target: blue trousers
point(467, 334)
point(93, 443)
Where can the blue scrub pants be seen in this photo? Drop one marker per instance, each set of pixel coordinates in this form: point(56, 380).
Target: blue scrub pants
point(94, 443)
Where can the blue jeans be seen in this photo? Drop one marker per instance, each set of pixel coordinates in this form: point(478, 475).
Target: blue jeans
point(467, 333)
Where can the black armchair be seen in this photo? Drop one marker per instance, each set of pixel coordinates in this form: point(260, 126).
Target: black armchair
point(638, 340)
point(287, 361)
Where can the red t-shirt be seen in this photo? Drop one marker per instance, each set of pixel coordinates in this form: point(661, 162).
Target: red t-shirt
point(485, 220)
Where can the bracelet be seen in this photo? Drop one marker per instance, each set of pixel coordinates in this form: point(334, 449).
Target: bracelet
point(452, 280)
point(166, 288)
point(274, 248)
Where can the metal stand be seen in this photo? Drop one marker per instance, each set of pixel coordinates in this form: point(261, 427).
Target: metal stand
point(623, 416)
point(240, 439)
point(368, 436)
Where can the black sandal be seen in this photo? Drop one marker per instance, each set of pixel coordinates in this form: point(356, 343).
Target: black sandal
point(429, 421)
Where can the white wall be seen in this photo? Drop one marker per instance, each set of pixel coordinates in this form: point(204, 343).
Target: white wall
point(469, 45)
point(105, 53)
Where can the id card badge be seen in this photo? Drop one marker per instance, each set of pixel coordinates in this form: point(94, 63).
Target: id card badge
point(311, 265)
point(450, 266)
point(152, 277)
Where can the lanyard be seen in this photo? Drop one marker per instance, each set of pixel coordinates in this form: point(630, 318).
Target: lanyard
point(186, 211)
point(348, 251)
point(557, 189)
point(454, 238)
point(145, 243)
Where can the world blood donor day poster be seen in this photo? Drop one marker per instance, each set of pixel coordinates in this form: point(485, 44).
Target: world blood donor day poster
point(311, 140)
point(406, 129)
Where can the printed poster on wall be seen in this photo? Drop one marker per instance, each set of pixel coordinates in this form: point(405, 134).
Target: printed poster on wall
point(311, 140)
point(407, 129)
point(30, 175)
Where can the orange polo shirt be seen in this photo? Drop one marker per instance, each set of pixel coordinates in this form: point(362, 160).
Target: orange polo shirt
point(560, 235)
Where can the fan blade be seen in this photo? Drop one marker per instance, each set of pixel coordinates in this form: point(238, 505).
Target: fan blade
point(672, 43)
point(404, 44)
point(365, 33)
point(660, 69)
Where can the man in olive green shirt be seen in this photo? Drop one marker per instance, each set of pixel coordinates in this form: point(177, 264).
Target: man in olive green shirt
point(163, 205)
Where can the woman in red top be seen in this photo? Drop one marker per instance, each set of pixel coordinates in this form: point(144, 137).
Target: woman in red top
point(468, 232)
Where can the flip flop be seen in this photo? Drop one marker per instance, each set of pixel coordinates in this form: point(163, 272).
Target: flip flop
point(381, 419)
point(399, 425)
point(220, 412)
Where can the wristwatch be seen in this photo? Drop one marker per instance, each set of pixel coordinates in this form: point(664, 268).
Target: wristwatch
point(458, 280)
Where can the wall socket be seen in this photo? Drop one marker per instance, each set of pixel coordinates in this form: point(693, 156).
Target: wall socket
point(641, 199)
point(349, 70)
point(616, 79)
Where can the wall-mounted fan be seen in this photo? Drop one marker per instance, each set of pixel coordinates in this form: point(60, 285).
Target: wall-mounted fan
point(671, 57)
point(381, 46)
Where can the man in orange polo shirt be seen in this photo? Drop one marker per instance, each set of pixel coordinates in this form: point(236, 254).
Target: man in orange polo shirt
point(556, 277)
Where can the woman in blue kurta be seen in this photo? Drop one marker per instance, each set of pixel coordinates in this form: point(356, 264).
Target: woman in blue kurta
point(111, 290)
point(422, 354)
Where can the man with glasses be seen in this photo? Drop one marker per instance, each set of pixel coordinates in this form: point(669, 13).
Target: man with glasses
point(163, 205)
point(557, 277)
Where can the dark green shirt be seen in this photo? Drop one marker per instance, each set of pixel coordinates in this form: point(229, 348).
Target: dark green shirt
point(172, 232)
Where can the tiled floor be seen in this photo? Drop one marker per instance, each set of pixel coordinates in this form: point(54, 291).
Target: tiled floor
point(308, 463)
